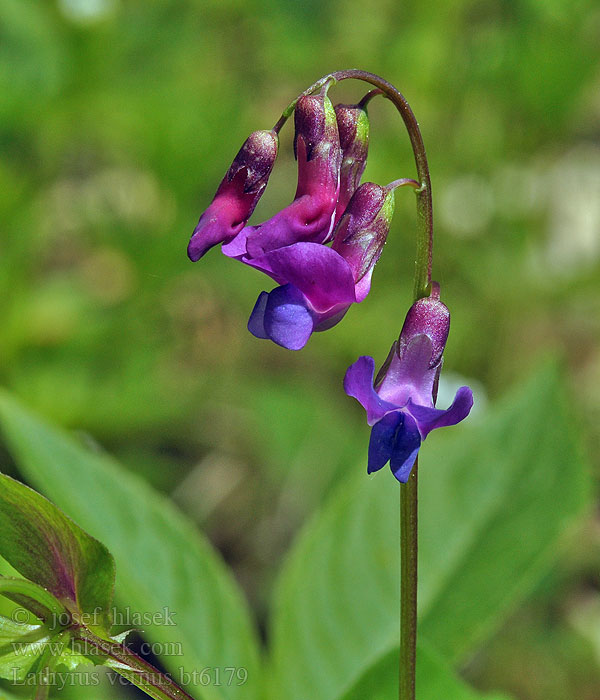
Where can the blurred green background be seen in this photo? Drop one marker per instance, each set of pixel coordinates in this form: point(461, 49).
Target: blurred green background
point(118, 118)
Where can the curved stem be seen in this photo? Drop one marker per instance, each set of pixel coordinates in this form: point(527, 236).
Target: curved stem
point(369, 96)
point(424, 256)
point(404, 182)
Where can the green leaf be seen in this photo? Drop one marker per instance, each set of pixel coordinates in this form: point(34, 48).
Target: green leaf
point(495, 498)
point(435, 680)
point(50, 549)
point(167, 571)
point(21, 646)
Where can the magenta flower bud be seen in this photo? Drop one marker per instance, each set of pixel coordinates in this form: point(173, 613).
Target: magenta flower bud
point(353, 127)
point(237, 195)
point(363, 229)
point(317, 147)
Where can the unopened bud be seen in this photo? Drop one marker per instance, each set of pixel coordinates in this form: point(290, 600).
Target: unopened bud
point(237, 195)
point(317, 146)
point(363, 229)
point(353, 127)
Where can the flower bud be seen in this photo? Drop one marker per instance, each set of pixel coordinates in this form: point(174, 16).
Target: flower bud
point(362, 231)
point(430, 317)
point(237, 195)
point(317, 147)
point(353, 127)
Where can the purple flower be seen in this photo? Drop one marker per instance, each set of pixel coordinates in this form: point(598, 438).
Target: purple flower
point(237, 195)
point(318, 283)
point(400, 405)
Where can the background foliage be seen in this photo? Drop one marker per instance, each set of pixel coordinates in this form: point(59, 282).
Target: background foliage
point(117, 121)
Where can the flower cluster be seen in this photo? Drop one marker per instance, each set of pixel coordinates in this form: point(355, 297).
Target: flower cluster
point(317, 282)
point(321, 250)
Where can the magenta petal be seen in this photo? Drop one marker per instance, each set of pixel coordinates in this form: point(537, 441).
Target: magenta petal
point(325, 321)
point(358, 383)
point(320, 273)
point(363, 286)
point(307, 218)
point(430, 418)
point(236, 247)
point(214, 227)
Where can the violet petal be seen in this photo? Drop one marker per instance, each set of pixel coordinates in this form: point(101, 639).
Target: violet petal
point(320, 273)
point(406, 444)
point(256, 322)
point(287, 320)
point(358, 383)
point(382, 440)
point(428, 418)
point(409, 376)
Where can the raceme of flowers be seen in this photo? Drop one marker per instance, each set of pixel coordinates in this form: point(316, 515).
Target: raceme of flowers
point(321, 251)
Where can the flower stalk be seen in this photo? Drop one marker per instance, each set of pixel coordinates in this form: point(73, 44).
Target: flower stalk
point(422, 288)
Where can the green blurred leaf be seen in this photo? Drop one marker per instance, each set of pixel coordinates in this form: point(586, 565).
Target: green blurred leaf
point(435, 680)
point(50, 549)
point(166, 568)
point(6, 695)
point(483, 487)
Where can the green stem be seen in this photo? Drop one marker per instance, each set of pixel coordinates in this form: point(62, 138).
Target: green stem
point(47, 664)
point(132, 667)
point(408, 585)
point(422, 287)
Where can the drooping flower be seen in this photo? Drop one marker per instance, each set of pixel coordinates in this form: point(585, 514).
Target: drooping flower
point(318, 283)
point(237, 195)
point(310, 217)
point(400, 406)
